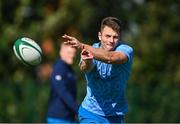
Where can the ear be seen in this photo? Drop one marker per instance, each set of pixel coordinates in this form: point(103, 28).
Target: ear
point(99, 35)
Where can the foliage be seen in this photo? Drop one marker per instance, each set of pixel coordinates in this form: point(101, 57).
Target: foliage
point(151, 27)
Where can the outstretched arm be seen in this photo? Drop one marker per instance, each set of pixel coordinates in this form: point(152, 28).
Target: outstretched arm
point(112, 57)
point(86, 63)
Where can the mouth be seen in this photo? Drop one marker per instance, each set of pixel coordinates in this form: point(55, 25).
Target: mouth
point(109, 47)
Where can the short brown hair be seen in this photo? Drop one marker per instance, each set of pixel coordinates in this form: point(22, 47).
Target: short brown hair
point(113, 23)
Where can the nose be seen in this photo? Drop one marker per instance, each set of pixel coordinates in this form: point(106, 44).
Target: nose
point(112, 40)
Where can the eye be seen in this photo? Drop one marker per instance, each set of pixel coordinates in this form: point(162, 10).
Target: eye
point(107, 36)
point(116, 37)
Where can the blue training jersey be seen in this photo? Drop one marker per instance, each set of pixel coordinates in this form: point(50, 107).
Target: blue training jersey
point(62, 101)
point(106, 85)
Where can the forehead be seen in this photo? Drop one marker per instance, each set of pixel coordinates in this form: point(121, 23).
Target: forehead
point(109, 31)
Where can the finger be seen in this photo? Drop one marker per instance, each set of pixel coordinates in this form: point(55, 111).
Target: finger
point(67, 37)
point(66, 43)
point(74, 47)
point(84, 51)
point(84, 57)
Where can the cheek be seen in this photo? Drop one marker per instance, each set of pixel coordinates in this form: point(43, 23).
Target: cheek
point(104, 40)
point(117, 41)
point(69, 60)
point(104, 44)
point(70, 56)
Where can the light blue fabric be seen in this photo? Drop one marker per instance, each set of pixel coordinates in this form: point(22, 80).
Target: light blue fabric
point(86, 117)
point(106, 85)
point(57, 120)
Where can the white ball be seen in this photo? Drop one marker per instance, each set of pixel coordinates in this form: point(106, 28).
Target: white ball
point(27, 51)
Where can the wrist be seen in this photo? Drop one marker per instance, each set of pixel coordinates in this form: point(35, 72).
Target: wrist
point(82, 46)
point(88, 61)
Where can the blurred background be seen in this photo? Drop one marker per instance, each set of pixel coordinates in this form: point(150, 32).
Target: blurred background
point(151, 27)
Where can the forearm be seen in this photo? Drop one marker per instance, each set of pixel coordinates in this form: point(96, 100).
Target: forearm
point(111, 57)
point(103, 55)
point(97, 53)
point(86, 65)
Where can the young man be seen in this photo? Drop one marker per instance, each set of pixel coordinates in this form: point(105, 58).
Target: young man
point(62, 103)
point(107, 66)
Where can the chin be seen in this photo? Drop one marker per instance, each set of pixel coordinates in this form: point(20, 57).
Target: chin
point(69, 63)
point(109, 49)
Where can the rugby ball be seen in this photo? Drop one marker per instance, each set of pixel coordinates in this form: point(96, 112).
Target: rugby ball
point(27, 51)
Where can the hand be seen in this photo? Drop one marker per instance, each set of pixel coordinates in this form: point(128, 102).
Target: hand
point(86, 55)
point(72, 41)
point(86, 64)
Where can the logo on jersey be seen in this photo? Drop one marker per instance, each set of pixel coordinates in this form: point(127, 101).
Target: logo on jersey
point(58, 77)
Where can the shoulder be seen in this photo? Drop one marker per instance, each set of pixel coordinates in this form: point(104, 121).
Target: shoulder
point(59, 65)
point(124, 47)
point(96, 45)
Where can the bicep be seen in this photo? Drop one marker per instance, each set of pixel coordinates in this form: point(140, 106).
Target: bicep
point(117, 57)
point(111, 57)
point(122, 54)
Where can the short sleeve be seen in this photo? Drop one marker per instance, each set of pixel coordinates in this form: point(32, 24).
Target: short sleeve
point(127, 50)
